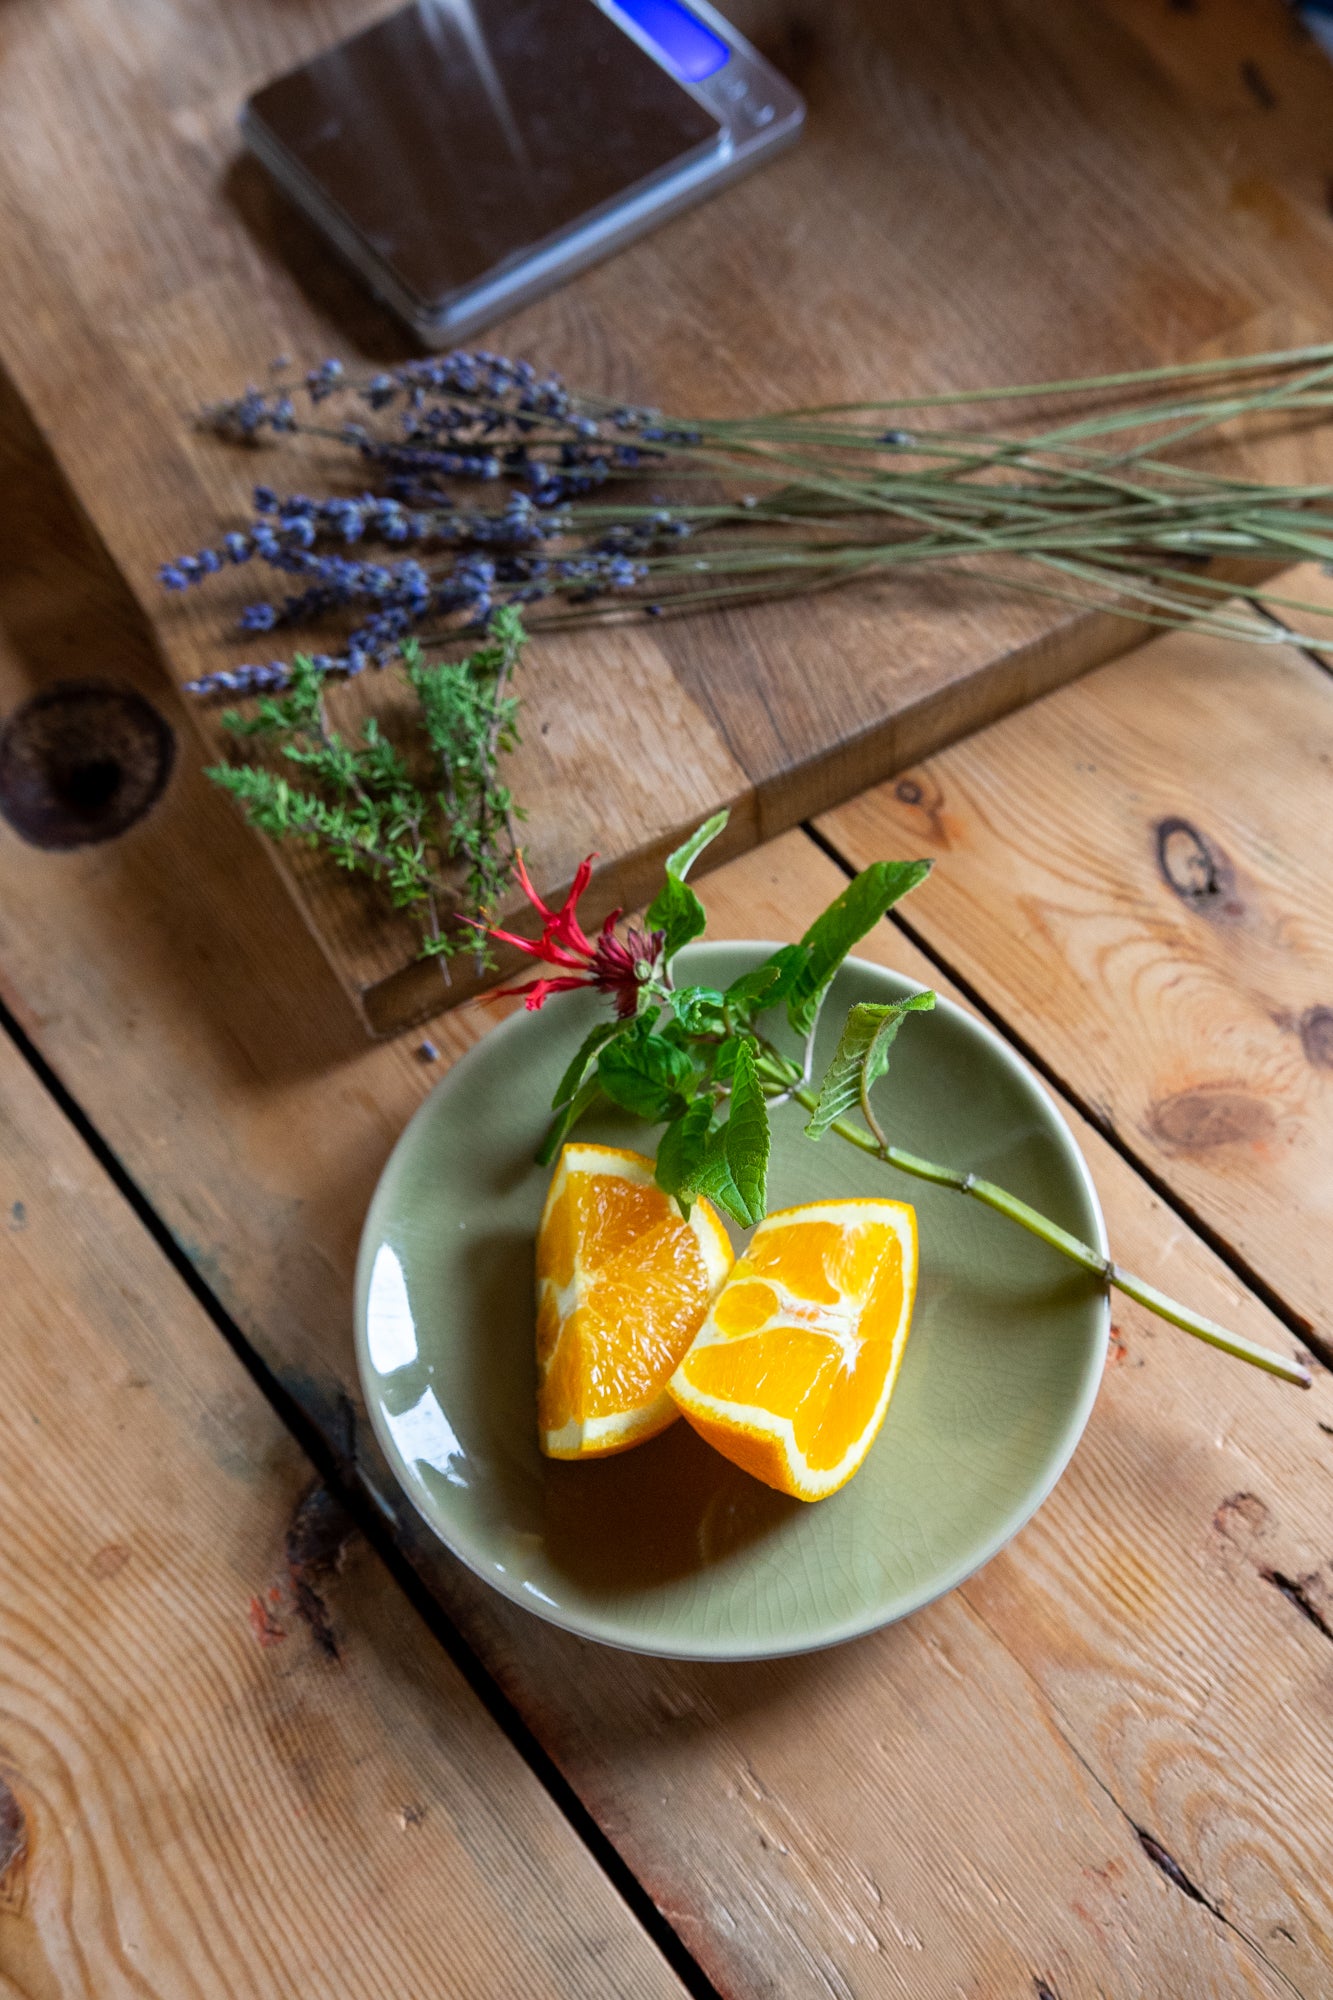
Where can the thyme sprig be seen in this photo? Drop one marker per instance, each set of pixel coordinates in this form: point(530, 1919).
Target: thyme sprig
point(440, 841)
point(702, 1063)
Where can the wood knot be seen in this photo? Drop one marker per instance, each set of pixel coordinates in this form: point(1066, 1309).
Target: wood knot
point(1196, 1120)
point(1195, 870)
point(81, 762)
point(909, 791)
point(1315, 1028)
point(13, 1851)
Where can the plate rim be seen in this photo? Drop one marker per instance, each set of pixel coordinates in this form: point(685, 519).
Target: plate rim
point(857, 1626)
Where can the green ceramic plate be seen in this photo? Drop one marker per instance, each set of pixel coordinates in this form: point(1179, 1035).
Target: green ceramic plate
point(669, 1549)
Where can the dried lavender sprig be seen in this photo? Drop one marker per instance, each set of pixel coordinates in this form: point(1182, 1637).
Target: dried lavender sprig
point(1115, 521)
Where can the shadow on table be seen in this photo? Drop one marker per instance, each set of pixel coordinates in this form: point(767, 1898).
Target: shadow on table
point(286, 237)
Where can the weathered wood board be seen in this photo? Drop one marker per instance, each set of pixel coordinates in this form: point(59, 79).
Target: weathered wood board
point(233, 1760)
point(1011, 192)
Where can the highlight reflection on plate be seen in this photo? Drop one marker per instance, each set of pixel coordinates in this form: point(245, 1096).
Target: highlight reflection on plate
point(669, 1548)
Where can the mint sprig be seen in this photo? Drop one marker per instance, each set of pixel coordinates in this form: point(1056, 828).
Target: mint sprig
point(697, 1061)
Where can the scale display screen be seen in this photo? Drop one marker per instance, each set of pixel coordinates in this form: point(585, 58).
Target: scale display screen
point(692, 50)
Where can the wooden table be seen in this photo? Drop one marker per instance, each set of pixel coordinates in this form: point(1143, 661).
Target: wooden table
point(259, 1735)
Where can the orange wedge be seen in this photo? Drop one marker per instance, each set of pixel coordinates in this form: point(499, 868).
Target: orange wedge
point(793, 1368)
point(624, 1282)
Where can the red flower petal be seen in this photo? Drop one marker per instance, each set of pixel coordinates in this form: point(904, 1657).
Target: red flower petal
point(525, 884)
point(566, 928)
point(537, 991)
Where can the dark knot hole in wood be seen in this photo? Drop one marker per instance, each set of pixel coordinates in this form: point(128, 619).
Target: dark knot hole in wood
point(81, 762)
point(1194, 869)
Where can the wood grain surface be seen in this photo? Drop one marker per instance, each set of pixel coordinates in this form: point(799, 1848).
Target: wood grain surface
point(1134, 870)
point(150, 266)
point(1101, 1768)
point(232, 1759)
point(1104, 1766)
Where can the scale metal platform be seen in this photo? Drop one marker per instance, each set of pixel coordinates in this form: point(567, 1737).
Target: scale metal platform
point(467, 155)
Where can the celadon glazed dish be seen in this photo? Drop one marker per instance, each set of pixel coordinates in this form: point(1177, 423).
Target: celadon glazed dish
point(668, 1548)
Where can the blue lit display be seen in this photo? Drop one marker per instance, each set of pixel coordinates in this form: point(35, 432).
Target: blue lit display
point(692, 50)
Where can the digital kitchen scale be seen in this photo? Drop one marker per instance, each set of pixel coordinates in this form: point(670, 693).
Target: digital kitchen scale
point(467, 155)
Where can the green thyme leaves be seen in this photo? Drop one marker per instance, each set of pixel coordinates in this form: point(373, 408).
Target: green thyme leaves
point(428, 821)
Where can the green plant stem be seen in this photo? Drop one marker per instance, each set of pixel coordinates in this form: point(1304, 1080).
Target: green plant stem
point(871, 1140)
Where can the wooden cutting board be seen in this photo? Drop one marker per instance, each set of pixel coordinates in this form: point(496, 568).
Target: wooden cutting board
point(1007, 191)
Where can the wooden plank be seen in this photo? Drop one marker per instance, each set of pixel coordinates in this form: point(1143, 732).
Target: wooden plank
point(948, 1806)
point(232, 1759)
point(150, 267)
point(1133, 870)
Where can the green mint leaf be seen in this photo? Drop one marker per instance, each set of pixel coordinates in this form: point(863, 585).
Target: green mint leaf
point(645, 1074)
point(573, 1077)
point(698, 1010)
point(768, 984)
point(567, 1118)
point(844, 923)
point(680, 1152)
point(724, 1062)
point(680, 863)
point(863, 1050)
point(748, 1135)
point(676, 910)
point(735, 1168)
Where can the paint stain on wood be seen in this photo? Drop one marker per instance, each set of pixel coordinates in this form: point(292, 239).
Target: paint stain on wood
point(109, 1561)
point(265, 1626)
point(13, 1851)
point(81, 762)
point(1211, 1115)
point(1196, 869)
point(18, 1216)
point(317, 1543)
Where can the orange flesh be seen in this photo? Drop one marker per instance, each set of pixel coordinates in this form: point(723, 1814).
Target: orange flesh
point(808, 1317)
point(644, 1293)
